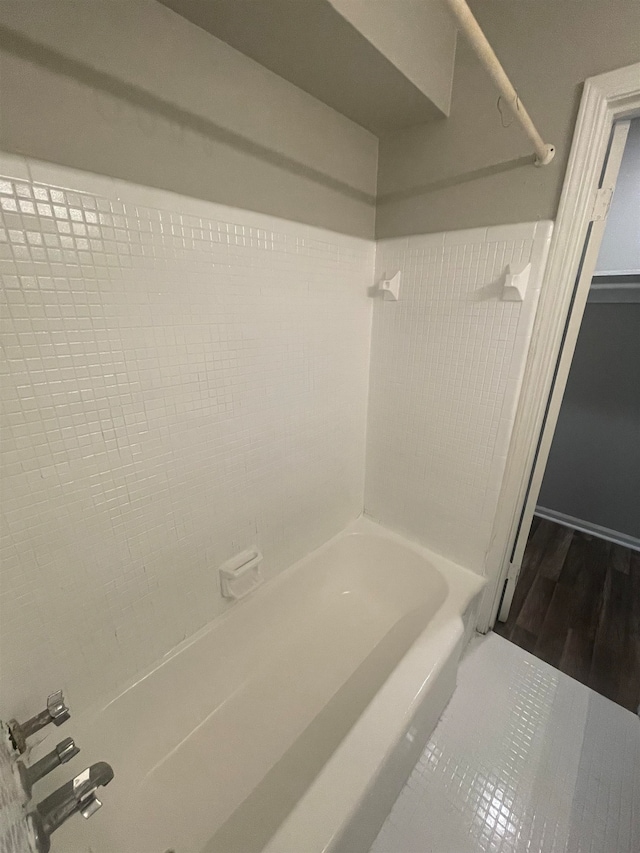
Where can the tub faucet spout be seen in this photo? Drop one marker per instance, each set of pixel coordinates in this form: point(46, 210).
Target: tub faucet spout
point(78, 795)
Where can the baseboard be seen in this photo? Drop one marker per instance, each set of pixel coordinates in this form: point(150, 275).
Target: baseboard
point(587, 527)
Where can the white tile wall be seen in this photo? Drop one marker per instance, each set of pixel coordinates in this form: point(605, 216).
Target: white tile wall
point(180, 381)
point(446, 367)
point(524, 760)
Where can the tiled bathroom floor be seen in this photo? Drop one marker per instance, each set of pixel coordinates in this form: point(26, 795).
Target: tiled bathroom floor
point(523, 759)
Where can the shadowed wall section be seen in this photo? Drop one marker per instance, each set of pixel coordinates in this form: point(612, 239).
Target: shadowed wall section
point(190, 114)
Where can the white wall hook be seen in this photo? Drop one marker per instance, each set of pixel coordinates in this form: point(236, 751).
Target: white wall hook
point(515, 282)
point(390, 287)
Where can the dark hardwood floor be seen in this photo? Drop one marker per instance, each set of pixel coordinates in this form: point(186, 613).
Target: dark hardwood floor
point(577, 607)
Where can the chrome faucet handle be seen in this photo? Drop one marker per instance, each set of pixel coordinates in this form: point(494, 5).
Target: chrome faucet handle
point(58, 711)
point(62, 753)
point(66, 749)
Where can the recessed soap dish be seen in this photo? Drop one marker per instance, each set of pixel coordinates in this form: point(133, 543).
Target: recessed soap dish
point(240, 575)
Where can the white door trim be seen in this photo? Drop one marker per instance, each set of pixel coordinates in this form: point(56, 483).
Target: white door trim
point(589, 260)
point(605, 99)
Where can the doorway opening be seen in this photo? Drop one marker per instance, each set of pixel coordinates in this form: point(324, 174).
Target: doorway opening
point(574, 597)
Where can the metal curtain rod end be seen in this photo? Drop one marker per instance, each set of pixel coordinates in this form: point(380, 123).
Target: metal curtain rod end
point(549, 154)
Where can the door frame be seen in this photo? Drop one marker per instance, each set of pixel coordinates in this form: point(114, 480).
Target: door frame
point(606, 99)
point(588, 262)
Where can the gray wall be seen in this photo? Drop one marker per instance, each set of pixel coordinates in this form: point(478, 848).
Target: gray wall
point(593, 471)
point(468, 170)
point(620, 249)
point(365, 70)
point(195, 116)
point(418, 38)
point(129, 89)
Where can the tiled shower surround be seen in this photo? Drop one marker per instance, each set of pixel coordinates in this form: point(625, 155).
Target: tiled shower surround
point(183, 381)
point(447, 362)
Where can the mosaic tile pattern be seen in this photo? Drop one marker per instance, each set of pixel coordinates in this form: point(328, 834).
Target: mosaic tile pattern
point(180, 381)
point(524, 760)
point(15, 836)
point(447, 362)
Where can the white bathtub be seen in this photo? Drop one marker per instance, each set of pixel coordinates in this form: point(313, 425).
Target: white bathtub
point(289, 724)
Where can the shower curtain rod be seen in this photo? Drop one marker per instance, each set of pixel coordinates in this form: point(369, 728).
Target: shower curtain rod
point(484, 51)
